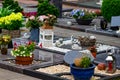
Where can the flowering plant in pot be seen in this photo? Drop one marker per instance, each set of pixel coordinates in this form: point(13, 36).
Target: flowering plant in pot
point(82, 68)
point(4, 41)
point(48, 20)
point(11, 24)
point(84, 15)
point(33, 23)
point(23, 53)
point(12, 21)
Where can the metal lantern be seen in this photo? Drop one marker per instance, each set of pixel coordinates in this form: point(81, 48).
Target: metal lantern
point(111, 63)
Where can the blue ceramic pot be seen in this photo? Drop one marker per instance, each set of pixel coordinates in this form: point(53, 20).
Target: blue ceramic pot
point(34, 34)
point(82, 73)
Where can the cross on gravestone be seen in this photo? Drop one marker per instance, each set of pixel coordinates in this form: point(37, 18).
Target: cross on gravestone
point(58, 4)
point(115, 22)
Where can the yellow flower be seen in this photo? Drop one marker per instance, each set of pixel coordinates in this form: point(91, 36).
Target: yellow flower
point(11, 21)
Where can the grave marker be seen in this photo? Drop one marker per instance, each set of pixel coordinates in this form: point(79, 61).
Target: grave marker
point(115, 22)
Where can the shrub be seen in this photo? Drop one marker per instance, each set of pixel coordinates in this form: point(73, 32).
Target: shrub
point(5, 11)
point(44, 8)
point(12, 5)
point(110, 8)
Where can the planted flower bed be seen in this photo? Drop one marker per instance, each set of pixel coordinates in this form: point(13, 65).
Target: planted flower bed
point(55, 72)
point(8, 61)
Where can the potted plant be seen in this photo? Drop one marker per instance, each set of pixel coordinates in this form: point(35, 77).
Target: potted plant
point(44, 8)
point(33, 23)
point(4, 41)
point(5, 11)
point(82, 68)
point(11, 24)
point(13, 5)
point(83, 17)
point(23, 53)
point(48, 21)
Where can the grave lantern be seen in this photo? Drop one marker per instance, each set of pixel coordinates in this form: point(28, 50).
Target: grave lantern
point(46, 37)
point(110, 63)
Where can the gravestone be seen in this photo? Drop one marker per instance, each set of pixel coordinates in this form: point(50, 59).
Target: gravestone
point(115, 22)
point(58, 4)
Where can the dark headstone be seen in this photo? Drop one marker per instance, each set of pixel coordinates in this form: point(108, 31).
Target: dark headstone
point(58, 4)
point(115, 22)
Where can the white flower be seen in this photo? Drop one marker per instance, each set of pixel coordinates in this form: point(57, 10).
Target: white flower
point(32, 17)
point(31, 53)
point(92, 37)
point(83, 36)
point(17, 54)
point(12, 53)
point(42, 18)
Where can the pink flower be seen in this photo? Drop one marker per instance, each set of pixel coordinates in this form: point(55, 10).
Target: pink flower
point(32, 17)
point(43, 17)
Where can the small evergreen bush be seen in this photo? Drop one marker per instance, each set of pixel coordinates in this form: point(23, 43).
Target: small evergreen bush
point(44, 8)
point(12, 5)
point(110, 8)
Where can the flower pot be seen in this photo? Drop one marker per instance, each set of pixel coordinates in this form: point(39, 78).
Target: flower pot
point(47, 26)
point(82, 73)
point(34, 34)
point(83, 21)
point(12, 33)
point(23, 60)
point(4, 49)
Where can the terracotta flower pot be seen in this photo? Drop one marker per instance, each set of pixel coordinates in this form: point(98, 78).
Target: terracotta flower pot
point(47, 26)
point(23, 60)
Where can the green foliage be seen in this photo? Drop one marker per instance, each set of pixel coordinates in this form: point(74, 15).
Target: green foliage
point(5, 11)
point(44, 8)
point(12, 5)
point(5, 39)
point(48, 19)
point(83, 14)
point(12, 21)
point(110, 8)
point(24, 50)
point(33, 22)
point(85, 62)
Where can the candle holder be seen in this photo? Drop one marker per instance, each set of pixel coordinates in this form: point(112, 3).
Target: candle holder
point(110, 63)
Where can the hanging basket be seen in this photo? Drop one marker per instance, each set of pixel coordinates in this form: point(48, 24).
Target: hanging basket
point(23, 60)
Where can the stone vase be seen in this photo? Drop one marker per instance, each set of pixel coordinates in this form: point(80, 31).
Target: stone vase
point(103, 24)
point(4, 49)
